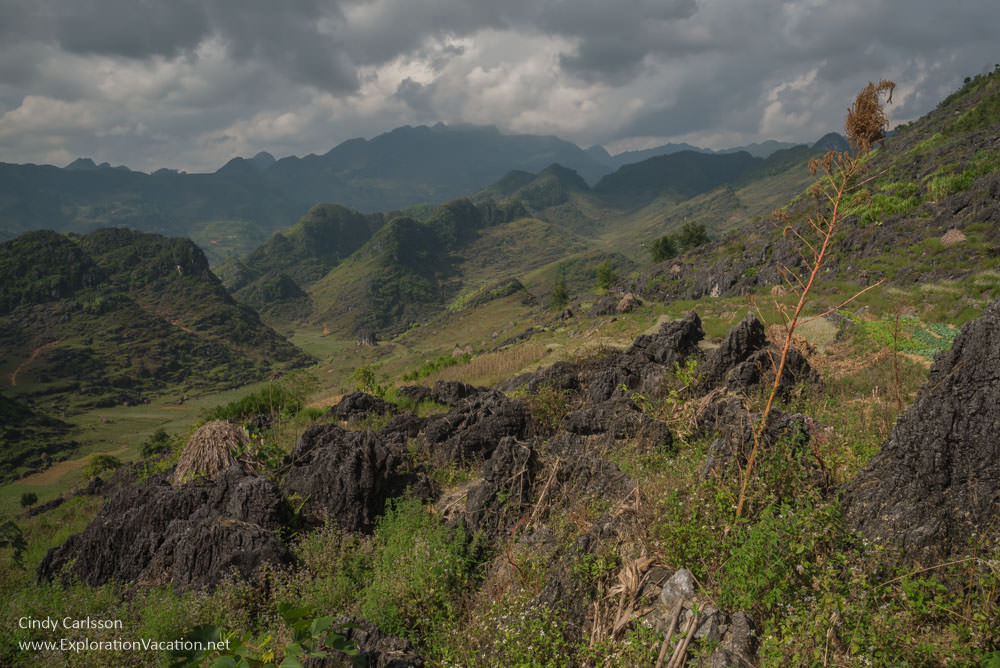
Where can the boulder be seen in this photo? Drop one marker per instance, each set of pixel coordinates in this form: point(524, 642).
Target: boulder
point(453, 393)
point(620, 419)
point(190, 537)
point(742, 341)
point(471, 431)
point(348, 476)
point(506, 488)
point(935, 484)
point(674, 342)
point(746, 361)
point(378, 648)
point(358, 406)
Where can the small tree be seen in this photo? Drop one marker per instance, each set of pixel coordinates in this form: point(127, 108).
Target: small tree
point(663, 248)
point(692, 235)
point(28, 499)
point(606, 275)
point(98, 464)
point(560, 296)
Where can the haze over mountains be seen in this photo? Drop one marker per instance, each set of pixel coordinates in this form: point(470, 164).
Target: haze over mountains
point(240, 205)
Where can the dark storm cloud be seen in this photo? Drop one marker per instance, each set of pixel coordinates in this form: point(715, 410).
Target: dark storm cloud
point(186, 81)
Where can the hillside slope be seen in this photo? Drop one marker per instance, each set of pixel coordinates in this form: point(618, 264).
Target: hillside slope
point(930, 213)
point(113, 316)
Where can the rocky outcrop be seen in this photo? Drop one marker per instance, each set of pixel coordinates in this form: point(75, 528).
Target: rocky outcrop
point(935, 484)
point(644, 365)
point(471, 431)
point(448, 392)
point(741, 341)
point(674, 342)
point(190, 537)
point(358, 406)
point(746, 361)
point(348, 476)
point(620, 419)
point(733, 424)
point(505, 489)
point(378, 648)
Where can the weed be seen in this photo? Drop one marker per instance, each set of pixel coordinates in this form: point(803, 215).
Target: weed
point(549, 405)
point(419, 570)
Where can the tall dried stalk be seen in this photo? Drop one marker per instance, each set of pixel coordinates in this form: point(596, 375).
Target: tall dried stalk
point(865, 126)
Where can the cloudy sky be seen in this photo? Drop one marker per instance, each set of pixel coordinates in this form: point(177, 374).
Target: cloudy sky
point(191, 83)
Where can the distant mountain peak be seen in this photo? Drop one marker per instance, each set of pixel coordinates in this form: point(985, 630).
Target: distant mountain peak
point(82, 165)
point(831, 141)
point(88, 165)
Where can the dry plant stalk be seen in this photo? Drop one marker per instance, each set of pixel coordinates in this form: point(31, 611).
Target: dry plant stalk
point(865, 126)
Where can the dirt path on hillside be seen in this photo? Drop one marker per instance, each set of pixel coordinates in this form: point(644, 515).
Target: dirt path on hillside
point(51, 475)
point(35, 353)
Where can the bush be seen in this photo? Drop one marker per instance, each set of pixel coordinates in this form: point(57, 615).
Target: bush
point(28, 499)
point(275, 400)
point(156, 444)
point(560, 296)
point(692, 235)
point(420, 569)
point(663, 248)
point(98, 464)
point(606, 276)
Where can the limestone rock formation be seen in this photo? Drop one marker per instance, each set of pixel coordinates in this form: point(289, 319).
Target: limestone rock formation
point(190, 537)
point(347, 476)
point(935, 484)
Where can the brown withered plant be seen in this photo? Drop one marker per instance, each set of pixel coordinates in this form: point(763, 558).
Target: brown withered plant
point(866, 121)
point(839, 174)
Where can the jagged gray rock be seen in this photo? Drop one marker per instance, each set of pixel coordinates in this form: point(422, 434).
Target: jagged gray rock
point(934, 487)
point(506, 488)
point(620, 419)
point(348, 476)
point(741, 341)
point(746, 361)
point(358, 406)
point(471, 431)
point(190, 537)
point(379, 649)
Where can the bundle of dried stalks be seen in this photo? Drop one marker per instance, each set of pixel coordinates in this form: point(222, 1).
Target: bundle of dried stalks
point(212, 449)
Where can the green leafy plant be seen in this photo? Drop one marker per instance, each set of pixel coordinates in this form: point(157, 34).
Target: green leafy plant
point(156, 444)
point(98, 464)
point(312, 637)
point(663, 249)
point(11, 536)
point(606, 275)
point(275, 399)
point(365, 381)
point(560, 295)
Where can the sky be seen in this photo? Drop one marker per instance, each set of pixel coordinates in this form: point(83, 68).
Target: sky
point(189, 84)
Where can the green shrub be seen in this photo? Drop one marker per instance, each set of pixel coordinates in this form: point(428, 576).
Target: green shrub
point(156, 444)
point(28, 499)
point(419, 571)
point(560, 295)
point(692, 235)
point(606, 275)
point(772, 561)
point(98, 464)
point(365, 381)
point(274, 399)
point(663, 249)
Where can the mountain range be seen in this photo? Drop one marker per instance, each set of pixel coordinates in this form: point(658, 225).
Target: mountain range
point(242, 204)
